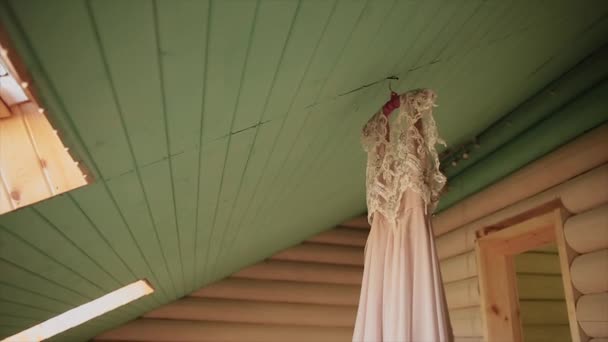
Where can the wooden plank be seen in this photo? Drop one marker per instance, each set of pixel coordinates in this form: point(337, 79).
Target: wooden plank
point(281, 291)
point(127, 193)
point(182, 331)
point(566, 255)
point(182, 36)
point(341, 236)
point(21, 170)
point(499, 302)
point(518, 238)
point(62, 171)
point(240, 311)
point(299, 271)
point(133, 70)
point(329, 254)
point(157, 182)
point(96, 204)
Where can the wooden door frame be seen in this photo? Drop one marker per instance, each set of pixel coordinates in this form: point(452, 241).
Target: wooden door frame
point(495, 249)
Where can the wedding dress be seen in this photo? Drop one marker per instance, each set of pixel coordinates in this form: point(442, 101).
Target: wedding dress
point(401, 296)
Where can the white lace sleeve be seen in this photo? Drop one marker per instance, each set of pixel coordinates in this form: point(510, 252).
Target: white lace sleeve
point(374, 131)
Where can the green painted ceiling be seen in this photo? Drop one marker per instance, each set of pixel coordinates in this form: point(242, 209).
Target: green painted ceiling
point(219, 132)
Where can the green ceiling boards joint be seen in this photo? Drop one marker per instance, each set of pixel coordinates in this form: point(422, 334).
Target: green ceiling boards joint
point(216, 134)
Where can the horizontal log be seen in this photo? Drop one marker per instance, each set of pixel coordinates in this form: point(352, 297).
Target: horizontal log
point(540, 312)
point(303, 271)
point(466, 322)
point(583, 154)
point(535, 286)
point(462, 293)
point(282, 291)
point(242, 311)
point(592, 314)
point(322, 253)
point(359, 222)
point(160, 330)
point(588, 231)
point(468, 339)
point(546, 333)
point(342, 236)
point(462, 240)
point(590, 272)
point(459, 267)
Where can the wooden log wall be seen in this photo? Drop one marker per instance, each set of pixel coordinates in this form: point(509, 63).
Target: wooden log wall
point(310, 292)
point(587, 234)
point(583, 170)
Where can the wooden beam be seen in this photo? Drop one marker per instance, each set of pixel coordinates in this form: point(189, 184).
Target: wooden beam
point(161, 330)
point(242, 311)
point(499, 298)
point(303, 271)
point(322, 253)
point(566, 256)
point(342, 236)
point(282, 291)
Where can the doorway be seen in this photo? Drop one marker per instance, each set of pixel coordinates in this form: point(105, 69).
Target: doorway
point(516, 303)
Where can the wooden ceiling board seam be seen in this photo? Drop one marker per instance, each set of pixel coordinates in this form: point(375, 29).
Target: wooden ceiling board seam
point(93, 260)
point(92, 288)
point(212, 243)
point(326, 75)
point(257, 129)
point(197, 275)
point(95, 207)
point(128, 192)
point(447, 36)
point(283, 119)
point(229, 76)
point(275, 21)
point(454, 59)
point(455, 42)
point(140, 128)
point(80, 213)
point(235, 158)
point(214, 157)
point(9, 268)
point(44, 300)
point(168, 141)
point(30, 236)
point(125, 132)
point(374, 17)
point(226, 219)
point(227, 54)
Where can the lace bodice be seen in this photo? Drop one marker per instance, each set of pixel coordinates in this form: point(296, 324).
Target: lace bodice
point(402, 155)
